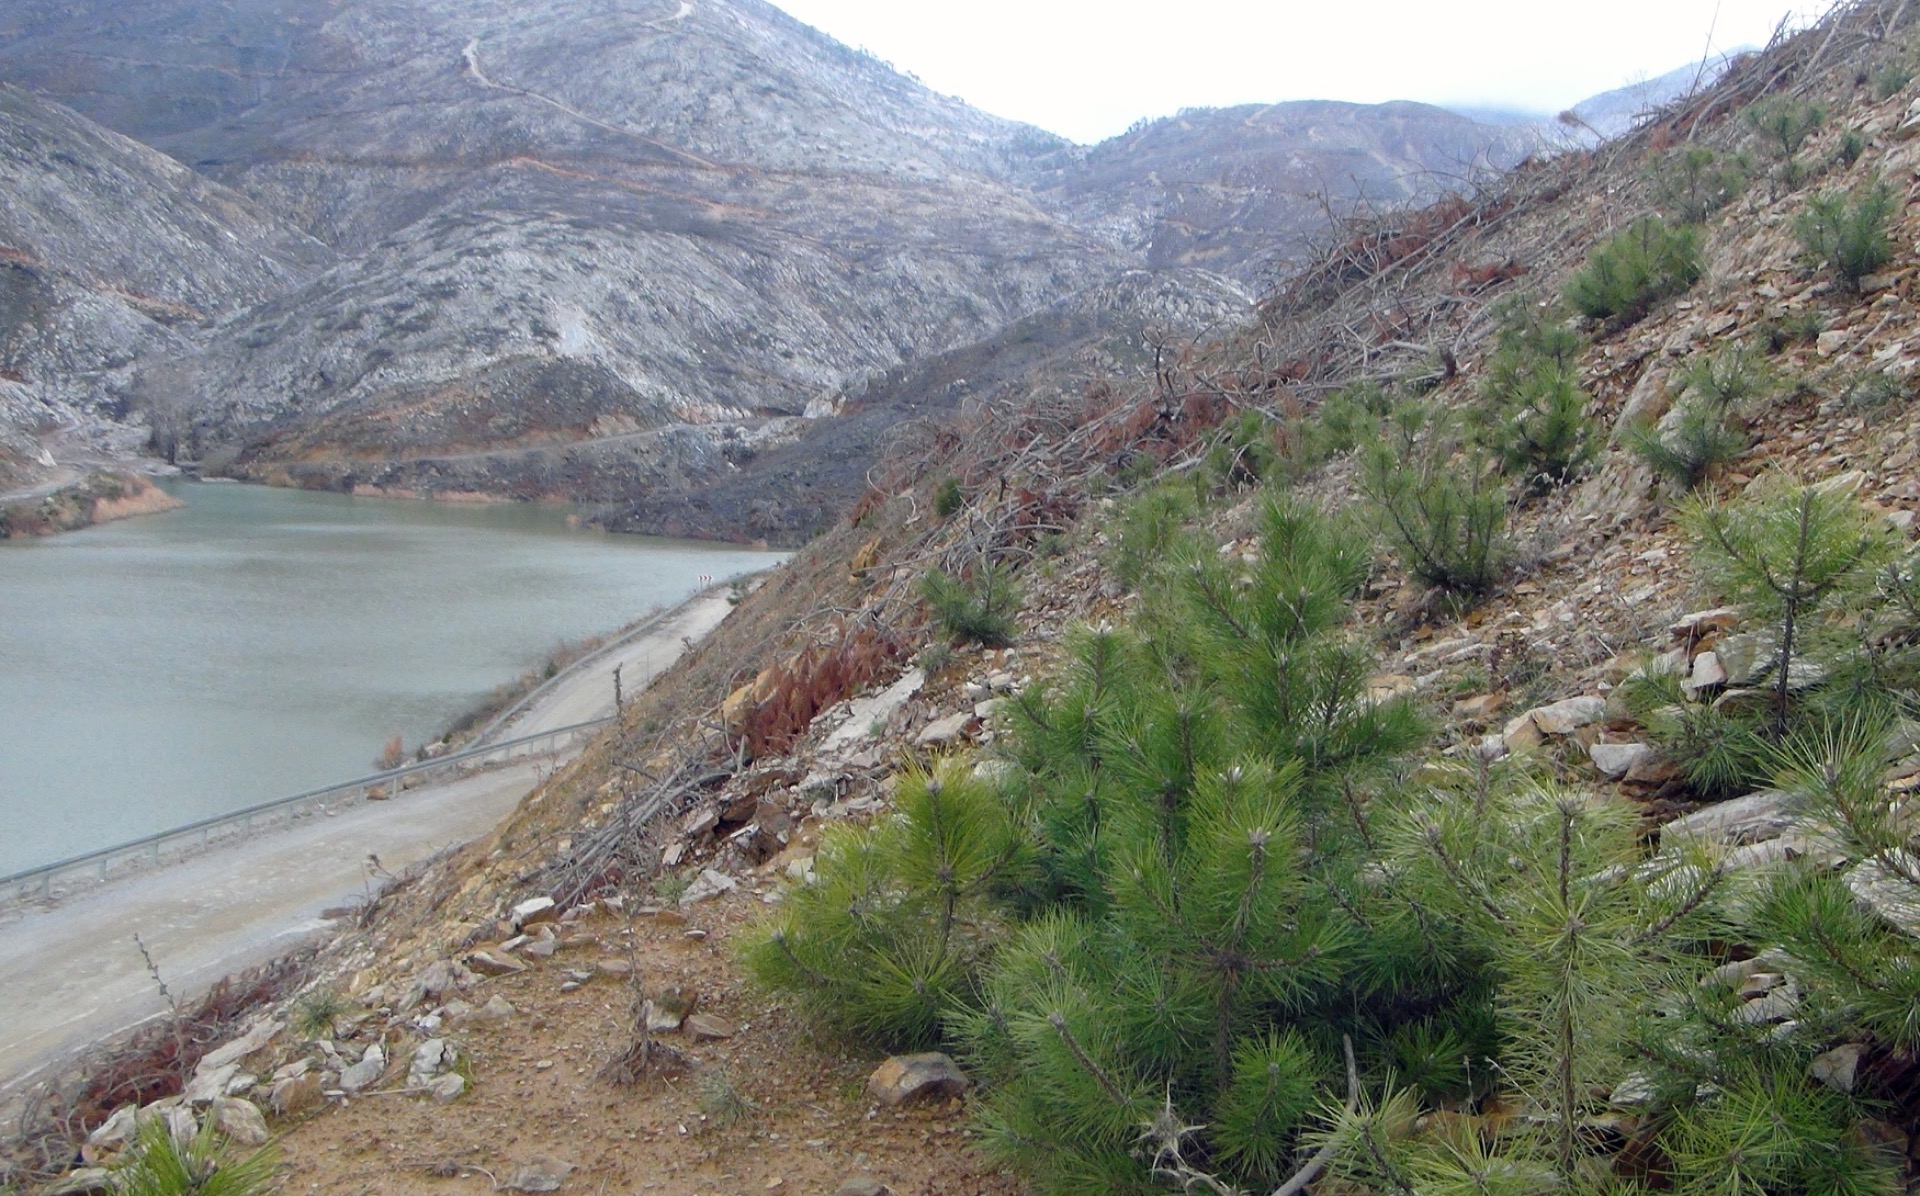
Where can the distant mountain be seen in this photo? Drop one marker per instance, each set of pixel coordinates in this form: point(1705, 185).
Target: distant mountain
point(1237, 189)
point(626, 252)
point(112, 254)
point(1612, 113)
point(565, 221)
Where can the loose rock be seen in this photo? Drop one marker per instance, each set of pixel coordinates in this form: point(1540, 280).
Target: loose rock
point(1838, 1068)
point(944, 730)
point(1564, 718)
point(448, 1088)
point(365, 1073)
point(1750, 819)
point(539, 1175)
point(241, 1121)
point(488, 963)
point(911, 1078)
point(708, 885)
point(1616, 760)
point(709, 1025)
point(294, 1096)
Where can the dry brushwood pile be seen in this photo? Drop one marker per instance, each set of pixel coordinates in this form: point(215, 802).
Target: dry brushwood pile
point(1455, 733)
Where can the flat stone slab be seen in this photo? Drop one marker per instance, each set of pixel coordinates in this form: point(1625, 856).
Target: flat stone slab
point(1754, 818)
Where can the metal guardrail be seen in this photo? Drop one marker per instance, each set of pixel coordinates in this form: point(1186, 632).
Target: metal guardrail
point(150, 850)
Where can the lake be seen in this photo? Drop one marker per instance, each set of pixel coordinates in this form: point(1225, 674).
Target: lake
point(259, 642)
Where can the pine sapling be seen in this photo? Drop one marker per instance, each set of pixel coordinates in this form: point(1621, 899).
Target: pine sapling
point(1786, 556)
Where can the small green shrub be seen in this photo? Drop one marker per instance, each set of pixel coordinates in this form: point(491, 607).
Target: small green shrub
point(1244, 455)
point(1693, 182)
point(1722, 751)
point(668, 887)
point(1898, 586)
point(1801, 327)
point(890, 933)
point(1643, 265)
point(1783, 125)
point(722, 1103)
point(948, 499)
point(1708, 427)
point(1345, 419)
point(980, 608)
point(1874, 392)
point(934, 657)
point(1732, 379)
point(1853, 143)
point(1533, 415)
point(1542, 432)
point(1849, 234)
point(1698, 441)
point(159, 1166)
point(1442, 511)
point(318, 1014)
point(1786, 554)
point(1149, 523)
point(1889, 79)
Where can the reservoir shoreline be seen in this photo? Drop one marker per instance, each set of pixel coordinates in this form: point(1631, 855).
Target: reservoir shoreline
point(262, 642)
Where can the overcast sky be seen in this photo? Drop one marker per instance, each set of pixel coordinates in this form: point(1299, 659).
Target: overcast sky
point(1089, 68)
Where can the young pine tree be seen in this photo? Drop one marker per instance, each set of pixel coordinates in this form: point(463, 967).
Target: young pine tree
point(1533, 415)
point(890, 933)
point(1193, 963)
point(1579, 929)
point(1787, 555)
point(1707, 428)
point(1438, 503)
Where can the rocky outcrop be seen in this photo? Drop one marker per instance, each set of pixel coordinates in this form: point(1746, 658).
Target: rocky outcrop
point(97, 498)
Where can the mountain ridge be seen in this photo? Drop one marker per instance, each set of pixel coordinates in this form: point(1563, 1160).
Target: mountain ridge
point(583, 249)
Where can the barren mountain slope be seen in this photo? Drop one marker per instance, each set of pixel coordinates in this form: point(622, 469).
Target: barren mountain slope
point(111, 253)
point(600, 251)
point(788, 492)
point(573, 223)
point(1243, 191)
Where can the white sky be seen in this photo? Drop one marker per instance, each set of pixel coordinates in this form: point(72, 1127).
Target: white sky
point(1089, 68)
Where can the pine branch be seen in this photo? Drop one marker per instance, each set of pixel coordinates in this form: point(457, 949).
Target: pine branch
point(1685, 909)
point(1311, 1169)
point(1458, 875)
point(1058, 1021)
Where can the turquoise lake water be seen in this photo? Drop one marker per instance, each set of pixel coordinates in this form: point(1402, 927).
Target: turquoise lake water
point(261, 641)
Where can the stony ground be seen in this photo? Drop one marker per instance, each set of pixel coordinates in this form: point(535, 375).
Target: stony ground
point(764, 1109)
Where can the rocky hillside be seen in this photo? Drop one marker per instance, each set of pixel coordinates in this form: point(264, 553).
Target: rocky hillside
point(858, 437)
point(111, 254)
point(611, 254)
point(812, 707)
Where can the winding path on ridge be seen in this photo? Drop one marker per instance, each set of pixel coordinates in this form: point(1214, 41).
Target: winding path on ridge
point(71, 976)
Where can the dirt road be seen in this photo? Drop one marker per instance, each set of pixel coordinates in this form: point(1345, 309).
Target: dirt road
point(72, 975)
